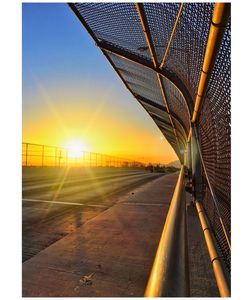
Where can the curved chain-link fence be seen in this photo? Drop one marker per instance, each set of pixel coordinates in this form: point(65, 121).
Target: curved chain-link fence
point(161, 65)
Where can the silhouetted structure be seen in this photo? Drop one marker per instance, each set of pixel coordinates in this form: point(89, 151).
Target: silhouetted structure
point(37, 155)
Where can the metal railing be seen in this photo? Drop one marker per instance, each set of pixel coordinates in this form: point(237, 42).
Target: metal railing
point(169, 276)
point(44, 155)
point(192, 88)
point(215, 258)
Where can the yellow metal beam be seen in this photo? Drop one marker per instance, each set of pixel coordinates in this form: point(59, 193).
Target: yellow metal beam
point(169, 275)
point(146, 30)
point(171, 37)
point(142, 16)
point(220, 277)
point(219, 19)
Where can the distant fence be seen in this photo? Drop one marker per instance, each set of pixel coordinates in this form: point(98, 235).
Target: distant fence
point(44, 155)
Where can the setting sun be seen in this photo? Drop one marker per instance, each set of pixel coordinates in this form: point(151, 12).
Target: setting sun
point(75, 148)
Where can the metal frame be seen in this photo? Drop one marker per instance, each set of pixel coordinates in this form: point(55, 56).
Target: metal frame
point(57, 156)
point(104, 46)
point(171, 37)
point(156, 105)
point(169, 276)
point(200, 157)
point(190, 141)
point(148, 37)
point(219, 19)
point(221, 278)
point(123, 53)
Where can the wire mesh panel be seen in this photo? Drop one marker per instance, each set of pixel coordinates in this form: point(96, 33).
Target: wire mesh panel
point(161, 18)
point(177, 103)
point(170, 138)
point(162, 113)
point(167, 128)
point(215, 139)
point(214, 219)
point(162, 120)
point(116, 23)
point(163, 125)
point(180, 129)
point(142, 81)
point(186, 53)
point(119, 25)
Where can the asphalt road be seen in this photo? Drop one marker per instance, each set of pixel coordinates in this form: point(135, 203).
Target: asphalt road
point(58, 201)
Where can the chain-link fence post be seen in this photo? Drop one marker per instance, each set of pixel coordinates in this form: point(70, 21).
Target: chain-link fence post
point(26, 155)
point(196, 167)
point(43, 156)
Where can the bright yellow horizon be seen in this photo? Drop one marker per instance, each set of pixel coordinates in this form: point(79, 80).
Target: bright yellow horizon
point(99, 128)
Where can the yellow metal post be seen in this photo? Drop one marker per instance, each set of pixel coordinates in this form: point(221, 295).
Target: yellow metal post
point(169, 276)
point(219, 19)
point(220, 277)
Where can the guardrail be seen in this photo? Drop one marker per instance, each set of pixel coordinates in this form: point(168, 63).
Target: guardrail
point(44, 155)
point(169, 276)
point(215, 258)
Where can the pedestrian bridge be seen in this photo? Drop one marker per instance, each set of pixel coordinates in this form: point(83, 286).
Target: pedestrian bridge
point(175, 60)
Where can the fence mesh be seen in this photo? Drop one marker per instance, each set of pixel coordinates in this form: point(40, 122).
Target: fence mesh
point(50, 156)
point(142, 81)
point(215, 139)
point(112, 22)
point(118, 24)
point(177, 104)
point(186, 53)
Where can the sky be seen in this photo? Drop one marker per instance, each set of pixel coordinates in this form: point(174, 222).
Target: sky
point(71, 93)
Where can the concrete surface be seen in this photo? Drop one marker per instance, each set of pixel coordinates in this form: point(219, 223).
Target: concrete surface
point(109, 255)
point(58, 201)
point(111, 251)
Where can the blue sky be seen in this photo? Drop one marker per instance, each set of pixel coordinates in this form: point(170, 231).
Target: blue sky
point(57, 47)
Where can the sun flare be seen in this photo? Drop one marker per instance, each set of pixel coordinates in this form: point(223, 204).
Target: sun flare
point(75, 148)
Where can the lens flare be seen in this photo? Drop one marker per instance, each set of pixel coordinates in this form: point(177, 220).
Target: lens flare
point(75, 148)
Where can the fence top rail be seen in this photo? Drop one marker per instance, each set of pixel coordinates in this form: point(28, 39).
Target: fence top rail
point(84, 152)
point(169, 274)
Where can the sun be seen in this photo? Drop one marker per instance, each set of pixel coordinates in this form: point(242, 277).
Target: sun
point(75, 148)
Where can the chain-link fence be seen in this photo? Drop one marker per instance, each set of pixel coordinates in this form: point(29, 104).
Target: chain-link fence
point(134, 39)
point(43, 155)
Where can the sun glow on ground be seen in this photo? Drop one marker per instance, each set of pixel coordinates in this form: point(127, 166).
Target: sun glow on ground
point(75, 148)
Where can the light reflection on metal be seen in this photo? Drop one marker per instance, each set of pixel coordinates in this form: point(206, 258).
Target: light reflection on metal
point(170, 76)
point(131, 50)
point(171, 37)
point(169, 276)
point(189, 135)
point(215, 259)
point(219, 19)
point(154, 105)
point(146, 31)
point(211, 189)
point(173, 78)
point(148, 37)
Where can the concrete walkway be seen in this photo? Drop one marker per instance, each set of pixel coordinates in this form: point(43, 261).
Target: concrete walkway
point(110, 255)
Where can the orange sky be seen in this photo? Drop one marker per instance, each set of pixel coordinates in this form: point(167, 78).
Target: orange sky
point(101, 128)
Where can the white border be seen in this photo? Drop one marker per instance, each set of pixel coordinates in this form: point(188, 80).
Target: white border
point(10, 62)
